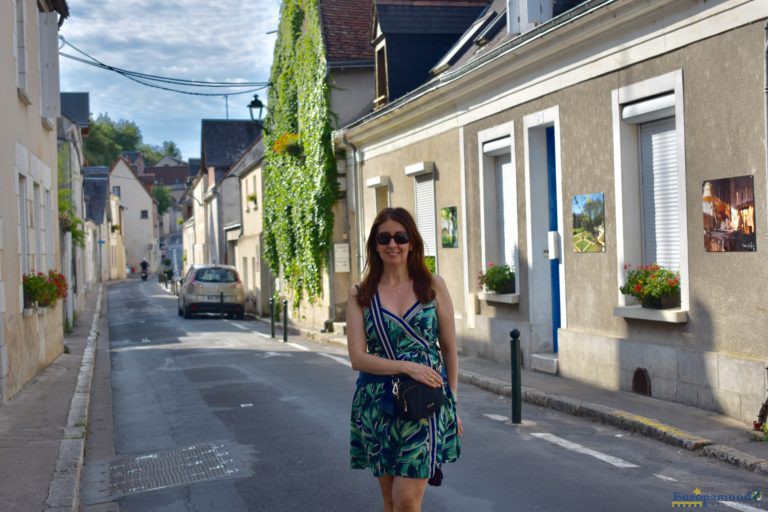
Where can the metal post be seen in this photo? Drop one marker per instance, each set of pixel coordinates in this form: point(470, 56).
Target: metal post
point(272, 316)
point(221, 304)
point(285, 321)
point(514, 346)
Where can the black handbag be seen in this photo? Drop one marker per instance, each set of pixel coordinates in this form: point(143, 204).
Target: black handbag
point(415, 401)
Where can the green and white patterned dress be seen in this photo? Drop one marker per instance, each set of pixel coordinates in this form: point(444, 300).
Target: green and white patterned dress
point(380, 441)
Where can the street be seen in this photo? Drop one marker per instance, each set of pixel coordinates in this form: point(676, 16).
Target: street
point(214, 415)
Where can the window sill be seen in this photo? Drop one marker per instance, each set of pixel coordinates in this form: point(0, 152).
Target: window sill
point(23, 96)
point(672, 316)
point(504, 298)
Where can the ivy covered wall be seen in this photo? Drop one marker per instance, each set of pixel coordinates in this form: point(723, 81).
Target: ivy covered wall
point(300, 185)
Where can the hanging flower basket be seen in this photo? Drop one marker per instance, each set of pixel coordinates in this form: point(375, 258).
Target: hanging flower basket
point(288, 143)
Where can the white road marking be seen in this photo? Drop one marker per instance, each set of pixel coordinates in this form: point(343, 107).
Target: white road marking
point(740, 506)
point(267, 355)
point(300, 347)
point(619, 463)
point(496, 417)
point(336, 358)
point(262, 335)
point(664, 477)
point(240, 326)
point(246, 405)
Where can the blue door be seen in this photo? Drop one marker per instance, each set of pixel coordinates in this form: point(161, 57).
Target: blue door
point(554, 268)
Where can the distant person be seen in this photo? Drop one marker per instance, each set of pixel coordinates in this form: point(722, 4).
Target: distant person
point(392, 332)
point(144, 265)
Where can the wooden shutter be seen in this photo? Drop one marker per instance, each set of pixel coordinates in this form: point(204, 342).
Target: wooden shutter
point(425, 212)
point(660, 189)
point(506, 209)
point(50, 103)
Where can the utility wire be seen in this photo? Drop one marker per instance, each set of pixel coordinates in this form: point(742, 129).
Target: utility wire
point(147, 79)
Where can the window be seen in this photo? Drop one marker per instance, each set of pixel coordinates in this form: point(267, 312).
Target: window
point(20, 46)
point(216, 275)
point(381, 77)
point(498, 197)
point(424, 183)
point(649, 171)
point(116, 191)
point(380, 186)
point(49, 241)
point(24, 225)
point(144, 214)
point(36, 224)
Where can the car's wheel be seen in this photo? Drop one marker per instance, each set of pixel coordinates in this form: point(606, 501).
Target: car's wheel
point(240, 315)
point(181, 312)
point(187, 314)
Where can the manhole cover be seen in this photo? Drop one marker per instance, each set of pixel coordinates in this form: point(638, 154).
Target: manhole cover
point(199, 462)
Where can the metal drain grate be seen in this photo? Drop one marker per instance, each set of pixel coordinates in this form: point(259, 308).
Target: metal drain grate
point(180, 466)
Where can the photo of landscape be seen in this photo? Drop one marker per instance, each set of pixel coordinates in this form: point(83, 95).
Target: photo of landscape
point(588, 223)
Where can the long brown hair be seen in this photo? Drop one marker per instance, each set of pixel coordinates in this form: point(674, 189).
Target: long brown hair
point(417, 268)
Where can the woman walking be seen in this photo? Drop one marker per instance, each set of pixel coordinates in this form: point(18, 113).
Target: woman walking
point(400, 324)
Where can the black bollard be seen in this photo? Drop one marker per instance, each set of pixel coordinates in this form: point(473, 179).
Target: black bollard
point(514, 347)
point(221, 304)
point(272, 315)
point(285, 321)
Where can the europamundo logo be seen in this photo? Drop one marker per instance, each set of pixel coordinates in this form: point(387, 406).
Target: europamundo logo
point(699, 500)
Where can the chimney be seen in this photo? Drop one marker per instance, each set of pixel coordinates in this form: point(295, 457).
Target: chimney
point(525, 15)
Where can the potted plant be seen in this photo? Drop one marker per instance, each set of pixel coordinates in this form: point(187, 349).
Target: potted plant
point(43, 290)
point(653, 286)
point(497, 279)
point(252, 198)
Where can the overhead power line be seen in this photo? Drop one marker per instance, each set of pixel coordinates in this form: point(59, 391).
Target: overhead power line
point(151, 80)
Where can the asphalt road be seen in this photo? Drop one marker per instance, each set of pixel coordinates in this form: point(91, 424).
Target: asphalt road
point(213, 415)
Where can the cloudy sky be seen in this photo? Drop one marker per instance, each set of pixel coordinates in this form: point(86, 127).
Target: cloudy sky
point(222, 41)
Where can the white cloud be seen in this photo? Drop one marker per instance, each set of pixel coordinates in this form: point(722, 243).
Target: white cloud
point(198, 40)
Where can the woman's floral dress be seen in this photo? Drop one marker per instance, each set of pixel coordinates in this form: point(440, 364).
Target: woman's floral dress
point(380, 441)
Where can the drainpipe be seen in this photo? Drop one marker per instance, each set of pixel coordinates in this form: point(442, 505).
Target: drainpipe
point(358, 203)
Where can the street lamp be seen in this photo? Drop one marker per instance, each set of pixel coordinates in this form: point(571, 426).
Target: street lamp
point(255, 103)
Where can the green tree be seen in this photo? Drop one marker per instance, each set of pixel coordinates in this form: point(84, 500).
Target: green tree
point(109, 138)
point(171, 149)
point(163, 197)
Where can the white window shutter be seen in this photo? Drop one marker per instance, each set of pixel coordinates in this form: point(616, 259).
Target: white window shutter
point(660, 191)
point(506, 209)
point(425, 213)
point(50, 102)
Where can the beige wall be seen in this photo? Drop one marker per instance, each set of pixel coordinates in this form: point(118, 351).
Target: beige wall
point(249, 252)
point(443, 150)
point(139, 234)
point(715, 359)
point(27, 147)
point(351, 93)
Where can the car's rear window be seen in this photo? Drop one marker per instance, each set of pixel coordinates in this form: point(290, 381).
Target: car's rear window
point(216, 275)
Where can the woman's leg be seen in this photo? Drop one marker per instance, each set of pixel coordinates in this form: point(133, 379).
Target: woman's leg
point(407, 494)
point(385, 484)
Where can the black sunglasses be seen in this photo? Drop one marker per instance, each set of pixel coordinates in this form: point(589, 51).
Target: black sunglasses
point(401, 237)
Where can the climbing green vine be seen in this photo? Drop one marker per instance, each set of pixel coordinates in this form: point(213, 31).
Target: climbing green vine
point(300, 170)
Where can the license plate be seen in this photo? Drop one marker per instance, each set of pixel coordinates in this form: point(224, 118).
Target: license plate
point(213, 297)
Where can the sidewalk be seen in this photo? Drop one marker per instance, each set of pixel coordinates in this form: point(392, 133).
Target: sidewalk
point(41, 428)
point(706, 433)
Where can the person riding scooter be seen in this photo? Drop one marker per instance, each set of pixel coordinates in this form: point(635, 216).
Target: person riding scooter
point(144, 266)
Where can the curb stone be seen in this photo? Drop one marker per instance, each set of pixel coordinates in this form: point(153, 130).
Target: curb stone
point(63, 493)
point(647, 427)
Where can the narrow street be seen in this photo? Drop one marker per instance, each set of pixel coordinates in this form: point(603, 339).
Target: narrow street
point(213, 415)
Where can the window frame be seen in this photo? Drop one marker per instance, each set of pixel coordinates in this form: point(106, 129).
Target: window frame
point(629, 242)
point(491, 144)
point(425, 171)
point(144, 214)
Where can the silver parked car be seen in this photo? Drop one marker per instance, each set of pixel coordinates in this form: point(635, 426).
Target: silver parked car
point(212, 289)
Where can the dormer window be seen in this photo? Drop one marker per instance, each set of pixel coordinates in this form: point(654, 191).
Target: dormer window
point(458, 49)
point(381, 77)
